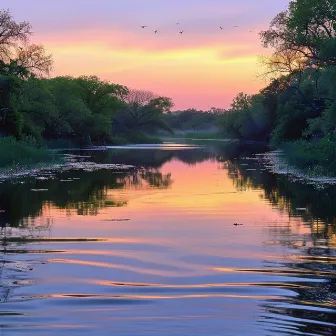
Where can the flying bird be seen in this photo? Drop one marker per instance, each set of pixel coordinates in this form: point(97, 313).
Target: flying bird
point(155, 31)
point(221, 28)
point(181, 32)
point(143, 26)
point(236, 26)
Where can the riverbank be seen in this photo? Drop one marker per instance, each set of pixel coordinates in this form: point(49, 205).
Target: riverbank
point(27, 152)
point(20, 158)
point(62, 163)
point(312, 158)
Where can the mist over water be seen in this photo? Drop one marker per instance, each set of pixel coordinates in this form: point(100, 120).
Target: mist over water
point(195, 240)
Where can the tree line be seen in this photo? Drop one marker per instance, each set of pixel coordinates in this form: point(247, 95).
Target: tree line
point(85, 110)
point(194, 120)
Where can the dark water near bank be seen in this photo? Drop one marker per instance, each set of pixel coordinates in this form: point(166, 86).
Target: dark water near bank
point(154, 250)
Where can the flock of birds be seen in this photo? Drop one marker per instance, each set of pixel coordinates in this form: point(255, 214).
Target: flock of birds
point(182, 31)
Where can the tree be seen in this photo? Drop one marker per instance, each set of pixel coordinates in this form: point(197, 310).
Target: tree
point(101, 96)
point(285, 62)
point(33, 59)
point(142, 112)
point(19, 60)
point(17, 55)
point(247, 118)
point(12, 34)
point(307, 28)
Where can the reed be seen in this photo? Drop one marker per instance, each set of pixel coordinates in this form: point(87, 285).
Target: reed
point(25, 152)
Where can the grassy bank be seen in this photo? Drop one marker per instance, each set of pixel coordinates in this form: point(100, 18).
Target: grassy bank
point(315, 157)
point(23, 152)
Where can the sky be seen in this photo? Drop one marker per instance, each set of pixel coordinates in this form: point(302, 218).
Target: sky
point(202, 68)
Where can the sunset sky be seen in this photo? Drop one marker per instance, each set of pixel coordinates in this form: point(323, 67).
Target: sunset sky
point(201, 68)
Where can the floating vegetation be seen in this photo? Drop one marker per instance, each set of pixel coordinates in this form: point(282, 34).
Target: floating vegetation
point(19, 266)
point(275, 162)
point(72, 162)
point(41, 178)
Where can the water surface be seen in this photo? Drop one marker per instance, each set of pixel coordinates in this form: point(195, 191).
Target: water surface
point(192, 241)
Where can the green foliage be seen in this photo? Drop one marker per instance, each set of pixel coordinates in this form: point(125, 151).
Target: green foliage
point(23, 152)
point(317, 156)
point(193, 120)
point(76, 109)
point(246, 119)
point(307, 27)
point(142, 112)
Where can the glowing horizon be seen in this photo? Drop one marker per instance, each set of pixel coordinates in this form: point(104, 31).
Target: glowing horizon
point(202, 68)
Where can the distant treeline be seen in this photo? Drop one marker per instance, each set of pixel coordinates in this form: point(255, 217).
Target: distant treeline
point(194, 120)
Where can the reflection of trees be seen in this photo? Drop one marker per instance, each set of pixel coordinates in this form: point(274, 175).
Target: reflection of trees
point(85, 192)
point(315, 252)
point(153, 158)
point(289, 196)
point(297, 321)
point(156, 158)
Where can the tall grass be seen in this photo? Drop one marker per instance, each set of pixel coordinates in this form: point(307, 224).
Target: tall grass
point(316, 157)
point(22, 152)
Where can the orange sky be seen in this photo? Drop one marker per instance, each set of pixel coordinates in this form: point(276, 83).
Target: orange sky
point(201, 68)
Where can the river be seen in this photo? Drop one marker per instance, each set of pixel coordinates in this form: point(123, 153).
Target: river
point(194, 240)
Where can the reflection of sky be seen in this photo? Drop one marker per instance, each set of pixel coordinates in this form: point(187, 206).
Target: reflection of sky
point(204, 67)
point(178, 266)
point(211, 198)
